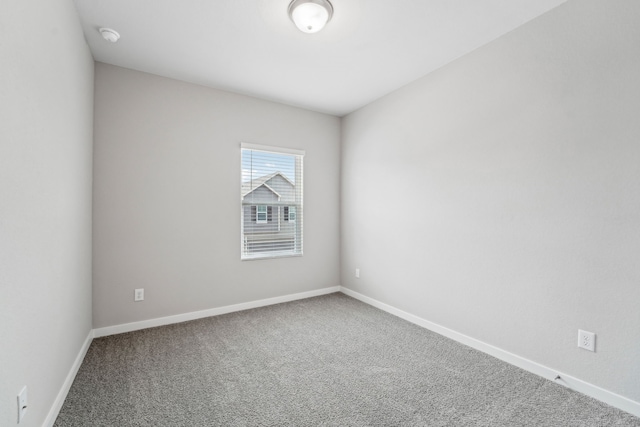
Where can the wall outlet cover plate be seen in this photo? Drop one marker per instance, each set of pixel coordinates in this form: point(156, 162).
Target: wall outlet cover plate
point(586, 340)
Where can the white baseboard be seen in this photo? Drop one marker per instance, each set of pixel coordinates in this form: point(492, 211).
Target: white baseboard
point(586, 388)
point(576, 384)
point(64, 390)
point(128, 327)
point(168, 320)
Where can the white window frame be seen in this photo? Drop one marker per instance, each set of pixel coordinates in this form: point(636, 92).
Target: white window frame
point(266, 214)
point(297, 235)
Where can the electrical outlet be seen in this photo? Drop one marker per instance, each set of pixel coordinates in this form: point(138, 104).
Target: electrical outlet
point(139, 295)
point(586, 340)
point(22, 403)
point(357, 273)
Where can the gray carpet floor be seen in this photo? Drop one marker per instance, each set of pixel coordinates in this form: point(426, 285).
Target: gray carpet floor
point(324, 361)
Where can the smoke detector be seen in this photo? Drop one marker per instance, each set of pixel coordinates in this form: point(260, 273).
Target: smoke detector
point(109, 35)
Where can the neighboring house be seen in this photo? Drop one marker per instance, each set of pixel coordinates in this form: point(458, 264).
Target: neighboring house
point(269, 213)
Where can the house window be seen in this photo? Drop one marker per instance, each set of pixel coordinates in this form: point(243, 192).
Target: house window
point(271, 195)
point(261, 214)
point(290, 213)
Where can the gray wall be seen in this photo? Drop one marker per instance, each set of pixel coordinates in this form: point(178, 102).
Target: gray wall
point(46, 115)
point(515, 173)
point(167, 197)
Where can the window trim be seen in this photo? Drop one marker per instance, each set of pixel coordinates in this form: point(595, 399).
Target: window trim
point(298, 219)
point(266, 214)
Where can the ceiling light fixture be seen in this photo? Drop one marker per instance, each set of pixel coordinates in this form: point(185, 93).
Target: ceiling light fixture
point(310, 16)
point(109, 35)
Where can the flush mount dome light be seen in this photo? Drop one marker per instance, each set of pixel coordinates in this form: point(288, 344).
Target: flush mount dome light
point(109, 35)
point(310, 16)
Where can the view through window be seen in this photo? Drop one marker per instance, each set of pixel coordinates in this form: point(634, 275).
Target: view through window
point(271, 193)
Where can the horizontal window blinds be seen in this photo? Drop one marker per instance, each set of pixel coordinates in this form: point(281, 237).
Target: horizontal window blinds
point(272, 202)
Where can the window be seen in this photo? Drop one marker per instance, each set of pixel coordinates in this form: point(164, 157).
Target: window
point(271, 195)
point(290, 213)
point(261, 216)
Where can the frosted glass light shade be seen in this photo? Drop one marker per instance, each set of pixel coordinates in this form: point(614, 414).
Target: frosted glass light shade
point(310, 16)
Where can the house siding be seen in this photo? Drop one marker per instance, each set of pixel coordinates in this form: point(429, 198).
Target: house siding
point(277, 234)
point(283, 188)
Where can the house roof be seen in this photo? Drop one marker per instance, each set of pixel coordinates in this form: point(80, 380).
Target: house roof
point(250, 186)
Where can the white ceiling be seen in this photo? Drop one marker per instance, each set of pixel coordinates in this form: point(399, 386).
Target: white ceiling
point(368, 49)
